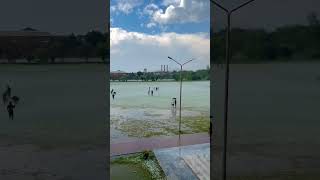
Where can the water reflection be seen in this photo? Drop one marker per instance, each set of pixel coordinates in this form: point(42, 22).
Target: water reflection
point(173, 113)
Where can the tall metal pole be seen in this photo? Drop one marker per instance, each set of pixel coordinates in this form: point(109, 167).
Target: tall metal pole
point(226, 91)
point(226, 101)
point(181, 65)
point(180, 100)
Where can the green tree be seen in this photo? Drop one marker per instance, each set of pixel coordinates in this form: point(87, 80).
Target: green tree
point(94, 37)
point(139, 73)
point(86, 51)
point(313, 19)
point(103, 50)
point(42, 55)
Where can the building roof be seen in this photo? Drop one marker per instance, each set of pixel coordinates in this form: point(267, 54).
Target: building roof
point(117, 72)
point(25, 32)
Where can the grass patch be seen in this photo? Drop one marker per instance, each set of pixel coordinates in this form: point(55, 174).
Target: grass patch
point(197, 124)
point(149, 167)
point(136, 128)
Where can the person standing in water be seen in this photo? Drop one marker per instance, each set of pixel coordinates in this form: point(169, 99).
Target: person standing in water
point(151, 92)
point(10, 108)
point(113, 94)
point(175, 102)
point(7, 94)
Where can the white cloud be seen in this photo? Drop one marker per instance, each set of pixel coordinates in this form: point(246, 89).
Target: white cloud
point(183, 12)
point(131, 51)
point(113, 8)
point(126, 6)
point(170, 2)
point(150, 25)
point(150, 9)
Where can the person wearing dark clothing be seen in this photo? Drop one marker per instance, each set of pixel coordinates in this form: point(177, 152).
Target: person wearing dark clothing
point(151, 92)
point(112, 91)
point(113, 94)
point(10, 108)
point(15, 99)
point(6, 95)
point(175, 102)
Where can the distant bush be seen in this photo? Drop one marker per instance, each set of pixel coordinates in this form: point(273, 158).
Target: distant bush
point(146, 154)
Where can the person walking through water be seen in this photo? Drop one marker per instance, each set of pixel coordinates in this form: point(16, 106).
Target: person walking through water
point(151, 92)
point(10, 108)
point(7, 94)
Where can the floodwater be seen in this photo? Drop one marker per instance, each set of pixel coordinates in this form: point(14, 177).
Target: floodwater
point(59, 104)
point(134, 111)
point(274, 119)
point(61, 115)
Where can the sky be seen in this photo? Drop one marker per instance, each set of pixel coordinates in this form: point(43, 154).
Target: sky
point(145, 32)
point(266, 14)
point(54, 16)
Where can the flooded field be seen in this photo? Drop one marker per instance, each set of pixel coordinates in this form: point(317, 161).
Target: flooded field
point(134, 113)
point(60, 105)
point(273, 120)
point(60, 116)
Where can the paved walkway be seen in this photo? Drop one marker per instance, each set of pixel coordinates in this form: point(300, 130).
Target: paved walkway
point(186, 162)
point(138, 145)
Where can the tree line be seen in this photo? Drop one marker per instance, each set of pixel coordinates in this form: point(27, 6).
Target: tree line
point(91, 45)
point(197, 75)
point(294, 42)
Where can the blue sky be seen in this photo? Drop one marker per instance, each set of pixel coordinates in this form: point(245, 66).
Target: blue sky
point(144, 33)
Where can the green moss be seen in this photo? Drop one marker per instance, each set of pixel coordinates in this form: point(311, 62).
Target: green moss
point(150, 167)
point(189, 125)
point(197, 124)
point(150, 134)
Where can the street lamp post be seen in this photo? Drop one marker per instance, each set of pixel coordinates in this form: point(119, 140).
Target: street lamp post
point(181, 65)
point(226, 98)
